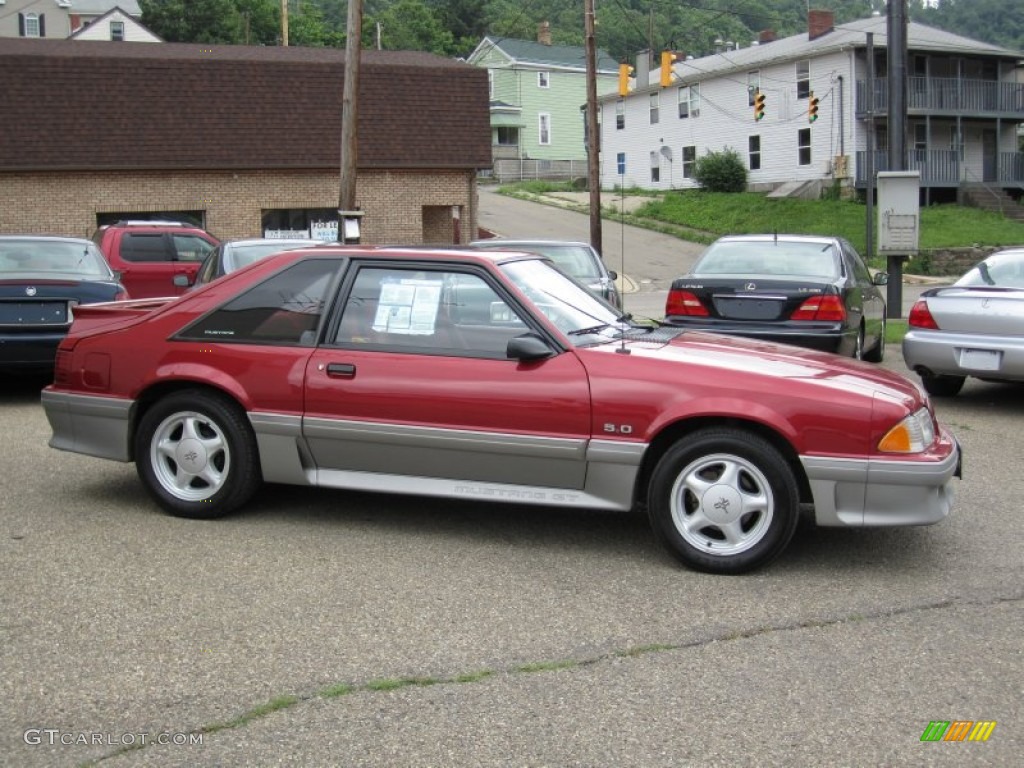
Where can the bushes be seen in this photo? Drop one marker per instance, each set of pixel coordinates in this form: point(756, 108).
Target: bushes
point(721, 171)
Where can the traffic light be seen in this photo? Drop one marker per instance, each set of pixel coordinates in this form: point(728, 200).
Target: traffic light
point(667, 57)
point(812, 108)
point(758, 105)
point(624, 72)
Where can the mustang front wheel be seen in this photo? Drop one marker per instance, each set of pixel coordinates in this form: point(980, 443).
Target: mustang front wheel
point(196, 454)
point(724, 501)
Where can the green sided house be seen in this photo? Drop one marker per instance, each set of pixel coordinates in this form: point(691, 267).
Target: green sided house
point(537, 95)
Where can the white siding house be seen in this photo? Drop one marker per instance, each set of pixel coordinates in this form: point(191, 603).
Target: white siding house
point(964, 105)
point(118, 20)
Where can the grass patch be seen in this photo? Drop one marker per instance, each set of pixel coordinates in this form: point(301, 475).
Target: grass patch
point(275, 704)
point(547, 666)
point(700, 216)
point(895, 330)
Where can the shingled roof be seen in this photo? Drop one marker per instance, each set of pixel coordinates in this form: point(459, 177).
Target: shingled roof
point(84, 105)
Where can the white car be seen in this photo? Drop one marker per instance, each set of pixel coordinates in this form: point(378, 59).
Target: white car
point(974, 327)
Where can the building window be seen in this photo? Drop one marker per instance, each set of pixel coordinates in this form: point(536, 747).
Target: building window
point(544, 128)
point(754, 152)
point(803, 79)
point(506, 136)
point(803, 143)
point(543, 79)
point(956, 142)
point(689, 101)
point(620, 163)
point(655, 107)
point(490, 83)
point(655, 167)
point(881, 138)
point(753, 86)
point(920, 142)
point(117, 31)
point(620, 114)
point(689, 160)
point(314, 223)
point(31, 25)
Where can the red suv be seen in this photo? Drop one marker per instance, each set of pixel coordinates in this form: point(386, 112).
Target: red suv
point(149, 255)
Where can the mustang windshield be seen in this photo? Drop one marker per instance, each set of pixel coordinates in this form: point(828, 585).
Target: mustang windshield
point(584, 317)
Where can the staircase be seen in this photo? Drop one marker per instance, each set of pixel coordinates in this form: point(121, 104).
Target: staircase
point(991, 199)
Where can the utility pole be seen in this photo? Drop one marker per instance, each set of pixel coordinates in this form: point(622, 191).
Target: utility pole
point(593, 137)
point(284, 23)
point(349, 118)
point(896, 56)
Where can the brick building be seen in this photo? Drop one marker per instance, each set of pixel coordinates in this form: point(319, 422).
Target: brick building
point(244, 140)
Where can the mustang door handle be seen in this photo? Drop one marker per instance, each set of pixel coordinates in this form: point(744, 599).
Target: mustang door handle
point(341, 370)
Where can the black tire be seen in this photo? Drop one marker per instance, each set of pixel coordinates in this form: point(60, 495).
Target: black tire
point(741, 468)
point(212, 432)
point(877, 353)
point(943, 386)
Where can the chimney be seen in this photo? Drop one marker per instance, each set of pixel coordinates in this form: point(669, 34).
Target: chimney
point(819, 23)
point(766, 36)
point(544, 33)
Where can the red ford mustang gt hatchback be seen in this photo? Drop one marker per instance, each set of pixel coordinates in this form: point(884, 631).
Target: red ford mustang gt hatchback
point(491, 375)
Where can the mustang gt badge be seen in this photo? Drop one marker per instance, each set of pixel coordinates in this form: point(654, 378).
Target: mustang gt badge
point(30, 290)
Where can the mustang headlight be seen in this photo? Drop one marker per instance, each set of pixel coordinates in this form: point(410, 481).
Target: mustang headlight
point(912, 435)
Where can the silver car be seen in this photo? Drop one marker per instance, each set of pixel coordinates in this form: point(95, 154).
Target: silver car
point(974, 327)
point(579, 260)
point(235, 254)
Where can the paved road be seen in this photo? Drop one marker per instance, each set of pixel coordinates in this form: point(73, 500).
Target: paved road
point(323, 628)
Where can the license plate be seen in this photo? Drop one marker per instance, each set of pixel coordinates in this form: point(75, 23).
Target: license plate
point(33, 312)
point(981, 359)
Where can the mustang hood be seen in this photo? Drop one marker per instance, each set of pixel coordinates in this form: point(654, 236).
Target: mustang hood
point(711, 351)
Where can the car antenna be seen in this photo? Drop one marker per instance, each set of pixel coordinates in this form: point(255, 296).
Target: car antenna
point(623, 349)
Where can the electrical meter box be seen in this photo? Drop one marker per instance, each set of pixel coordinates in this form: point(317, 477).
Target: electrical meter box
point(899, 212)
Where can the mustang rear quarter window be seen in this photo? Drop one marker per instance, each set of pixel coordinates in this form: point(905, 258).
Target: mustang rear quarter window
point(284, 309)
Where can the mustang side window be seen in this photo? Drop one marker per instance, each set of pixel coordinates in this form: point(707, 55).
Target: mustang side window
point(427, 312)
point(284, 309)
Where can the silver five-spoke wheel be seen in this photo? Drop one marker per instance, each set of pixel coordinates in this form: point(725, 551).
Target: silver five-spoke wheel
point(722, 504)
point(190, 456)
point(724, 499)
point(196, 453)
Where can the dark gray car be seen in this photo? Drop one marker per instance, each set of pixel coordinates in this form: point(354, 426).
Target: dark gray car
point(578, 260)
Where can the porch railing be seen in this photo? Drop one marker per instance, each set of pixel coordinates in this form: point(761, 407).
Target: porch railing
point(946, 96)
point(945, 168)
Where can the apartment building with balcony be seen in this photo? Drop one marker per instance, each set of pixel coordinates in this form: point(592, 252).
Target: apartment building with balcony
point(965, 106)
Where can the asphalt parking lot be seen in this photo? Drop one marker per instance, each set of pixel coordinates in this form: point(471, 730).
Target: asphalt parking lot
point(329, 628)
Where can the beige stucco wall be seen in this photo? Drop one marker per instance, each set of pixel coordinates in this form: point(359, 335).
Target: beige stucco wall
point(66, 203)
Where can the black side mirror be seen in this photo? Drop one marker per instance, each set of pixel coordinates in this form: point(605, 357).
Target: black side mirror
point(527, 347)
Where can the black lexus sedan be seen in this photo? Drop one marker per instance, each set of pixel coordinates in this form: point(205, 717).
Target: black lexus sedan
point(42, 280)
point(806, 290)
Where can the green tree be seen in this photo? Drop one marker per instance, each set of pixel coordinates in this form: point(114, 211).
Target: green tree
point(409, 25)
point(195, 21)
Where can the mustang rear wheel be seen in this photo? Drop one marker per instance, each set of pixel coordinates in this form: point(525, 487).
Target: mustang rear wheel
point(724, 501)
point(196, 454)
